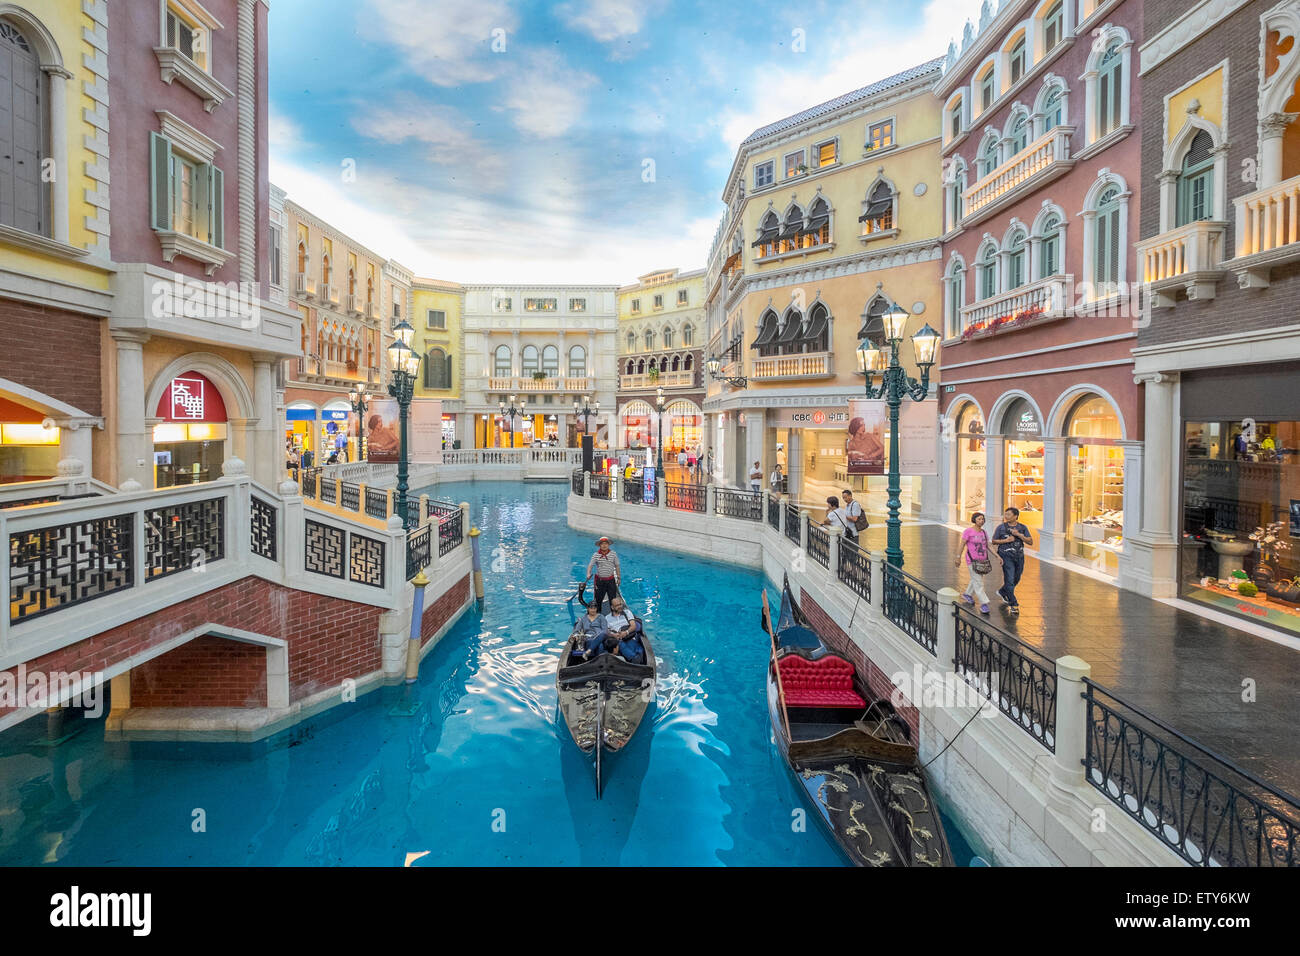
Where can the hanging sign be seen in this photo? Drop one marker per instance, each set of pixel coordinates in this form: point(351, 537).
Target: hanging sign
point(191, 398)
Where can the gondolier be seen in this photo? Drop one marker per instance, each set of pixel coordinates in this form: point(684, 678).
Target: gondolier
point(604, 567)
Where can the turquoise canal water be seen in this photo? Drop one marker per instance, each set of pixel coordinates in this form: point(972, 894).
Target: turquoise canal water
point(482, 772)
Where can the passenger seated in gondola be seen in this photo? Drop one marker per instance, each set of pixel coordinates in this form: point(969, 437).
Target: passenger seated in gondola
point(590, 632)
point(623, 626)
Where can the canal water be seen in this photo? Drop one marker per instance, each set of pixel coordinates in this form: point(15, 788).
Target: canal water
point(470, 765)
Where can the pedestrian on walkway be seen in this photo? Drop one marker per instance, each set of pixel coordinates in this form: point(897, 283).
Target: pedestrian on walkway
point(975, 551)
point(756, 477)
point(854, 513)
point(1010, 538)
point(835, 518)
point(778, 480)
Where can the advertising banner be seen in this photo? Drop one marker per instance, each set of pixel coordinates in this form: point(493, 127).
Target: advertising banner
point(649, 485)
point(424, 432)
point(918, 435)
point(865, 444)
point(383, 435)
point(830, 416)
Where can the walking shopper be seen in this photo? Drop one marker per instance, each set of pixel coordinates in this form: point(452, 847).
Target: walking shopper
point(854, 513)
point(756, 477)
point(777, 481)
point(835, 519)
point(1010, 538)
point(975, 549)
point(604, 566)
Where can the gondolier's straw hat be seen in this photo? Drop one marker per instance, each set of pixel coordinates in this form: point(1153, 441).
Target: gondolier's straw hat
point(605, 540)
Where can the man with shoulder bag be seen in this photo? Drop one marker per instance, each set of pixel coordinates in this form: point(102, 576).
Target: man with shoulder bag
point(856, 516)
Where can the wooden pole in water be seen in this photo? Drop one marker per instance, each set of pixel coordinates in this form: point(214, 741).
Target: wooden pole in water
point(476, 563)
point(417, 619)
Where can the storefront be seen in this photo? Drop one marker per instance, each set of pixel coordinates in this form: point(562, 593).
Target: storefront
point(1241, 493)
point(1023, 461)
point(335, 433)
point(448, 431)
point(300, 427)
point(1095, 464)
point(972, 462)
point(28, 450)
point(189, 441)
point(683, 427)
point(636, 425)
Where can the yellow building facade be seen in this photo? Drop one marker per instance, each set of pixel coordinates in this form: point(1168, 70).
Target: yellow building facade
point(437, 311)
point(833, 217)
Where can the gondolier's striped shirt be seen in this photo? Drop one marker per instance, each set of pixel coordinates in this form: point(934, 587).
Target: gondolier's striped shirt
point(605, 565)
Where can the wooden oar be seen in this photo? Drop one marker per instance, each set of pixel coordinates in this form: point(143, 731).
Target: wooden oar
point(600, 734)
point(780, 688)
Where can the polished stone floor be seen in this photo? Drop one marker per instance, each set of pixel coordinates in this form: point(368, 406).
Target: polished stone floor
point(1178, 666)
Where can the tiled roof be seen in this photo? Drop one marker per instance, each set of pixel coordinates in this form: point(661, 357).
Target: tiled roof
point(831, 105)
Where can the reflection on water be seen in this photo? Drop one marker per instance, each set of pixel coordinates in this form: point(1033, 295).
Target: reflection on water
point(471, 764)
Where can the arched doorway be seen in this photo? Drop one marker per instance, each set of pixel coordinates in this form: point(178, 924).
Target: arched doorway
point(1022, 428)
point(635, 422)
point(1096, 482)
point(189, 440)
point(971, 461)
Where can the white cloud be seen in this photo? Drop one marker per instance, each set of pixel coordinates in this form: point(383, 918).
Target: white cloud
point(606, 20)
point(448, 43)
point(283, 134)
point(546, 95)
point(443, 130)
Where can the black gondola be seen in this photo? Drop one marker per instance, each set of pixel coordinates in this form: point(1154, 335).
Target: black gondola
point(604, 699)
point(853, 761)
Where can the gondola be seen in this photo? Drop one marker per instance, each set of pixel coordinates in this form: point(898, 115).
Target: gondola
point(603, 699)
point(852, 761)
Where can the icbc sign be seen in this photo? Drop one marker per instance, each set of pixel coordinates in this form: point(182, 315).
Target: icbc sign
point(187, 399)
point(819, 417)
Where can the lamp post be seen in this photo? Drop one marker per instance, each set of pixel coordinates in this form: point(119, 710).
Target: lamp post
point(585, 411)
point(404, 363)
point(894, 384)
point(512, 411)
point(735, 381)
point(659, 403)
point(360, 401)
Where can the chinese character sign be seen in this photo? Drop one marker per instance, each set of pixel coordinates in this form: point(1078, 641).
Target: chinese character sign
point(187, 399)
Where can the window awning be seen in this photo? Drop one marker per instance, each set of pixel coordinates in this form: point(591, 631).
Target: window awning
point(816, 327)
point(732, 262)
point(767, 235)
point(817, 221)
point(792, 228)
point(791, 331)
point(766, 334)
point(877, 208)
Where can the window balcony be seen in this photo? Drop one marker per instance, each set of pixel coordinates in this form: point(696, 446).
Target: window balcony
point(355, 305)
point(1045, 159)
point(304, 285)
point(529, 385)
point(1268, 232)
point(372, 310)
point(1189, 258)
point(681, 379)
point(1033, 304)
point(329, 293)
point(807, 365)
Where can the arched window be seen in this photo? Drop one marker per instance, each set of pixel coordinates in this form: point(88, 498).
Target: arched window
point(987, 90)
point(1049, 255)
point(987, 267)
point(631, 341)
point(956, 192)
point(873, 320)
point(501, 362)
point(955, 298)
point(954, 120)
point(640, 367)
point(437, 369)
point(1196, 181)
point(1017, 60)
point(688, 364)
point(325, 268)
point(765, 341)
point(24, 125)
point(688, 335)
point(654, 364)
point(1053, 109)
point(878, 216)
point(649, 339)
point(631, 366)
point(1108, 240)
point(302, 257)
point(791, 229)
point(768, 236)
point(352, 282)
point(1110, 90)
point(577, 362)
point(677, 363)
point(551, 361)
point(668, 338)
point(529, 363)
point(1016, 260)
point(988, 157)
point(817, 231)
point(815, 336)
point(1053, 26)
point(1019, 138)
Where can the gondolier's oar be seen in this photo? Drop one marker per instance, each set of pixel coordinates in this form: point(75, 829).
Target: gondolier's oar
point(600, 735)
point(780, 688)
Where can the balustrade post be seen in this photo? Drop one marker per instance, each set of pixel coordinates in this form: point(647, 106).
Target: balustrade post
point(710, 499)
point(392, 498)
point(659, 494)
point(834, 536)
point(803, 531)
point(361, 499)
point(338, 492)
point(780, 515)
point(878, 576)
point(1071, 720)
point(586, 484)
point(616, 486)
point(945, 645)
point(424, 509)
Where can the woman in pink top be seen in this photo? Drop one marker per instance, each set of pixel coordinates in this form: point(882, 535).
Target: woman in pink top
point(975, 549)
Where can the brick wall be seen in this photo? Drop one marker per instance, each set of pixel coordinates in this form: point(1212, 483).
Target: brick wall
point(440, 611)
point(206, 672)
point(72, 374)
point(329, 638)
point(877, 682)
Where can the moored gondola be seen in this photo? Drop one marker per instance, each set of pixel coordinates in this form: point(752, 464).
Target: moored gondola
point(853, 761)
point(603, 700)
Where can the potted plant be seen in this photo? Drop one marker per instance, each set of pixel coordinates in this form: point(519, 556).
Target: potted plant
point(538, 376)
point(802, 168)
point(654, 374)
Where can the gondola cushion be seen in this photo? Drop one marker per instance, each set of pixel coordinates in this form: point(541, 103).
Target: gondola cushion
point(827, 682)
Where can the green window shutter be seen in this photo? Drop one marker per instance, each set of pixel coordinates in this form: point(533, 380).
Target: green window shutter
point(160, 188)
point(217, 210)
point(202, 190)
point(447, 380)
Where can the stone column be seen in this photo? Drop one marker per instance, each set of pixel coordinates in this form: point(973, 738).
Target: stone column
point(1154, 546)
point(1134, 468)
point(1272, 128)
point(134, 444)
point(76, 456)
point(57, 79)
point(834, 533)
point(266, 461)
point(995, 476)
point(247, 61)
point(755, 448)
point(794, 459)
point(516, 369)
point(945, 646)
point(1056, 509)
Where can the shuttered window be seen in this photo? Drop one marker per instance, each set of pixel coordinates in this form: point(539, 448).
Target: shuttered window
point(1016, 262)
point(1050, 256)
point(185, 196)
point(23, 194)
point(1106, 267)
point(1110, 91)
point(437, 370)
point(1196, 181)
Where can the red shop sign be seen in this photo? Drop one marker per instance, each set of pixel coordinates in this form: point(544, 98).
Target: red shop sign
point(191, 398)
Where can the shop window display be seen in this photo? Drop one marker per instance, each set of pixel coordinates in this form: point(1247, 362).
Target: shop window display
point(1241, 519)
point(1024, 461)
point(1096, 469)
point(972, 462)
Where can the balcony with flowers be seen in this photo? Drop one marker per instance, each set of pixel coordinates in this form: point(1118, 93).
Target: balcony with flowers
point(1029, 305)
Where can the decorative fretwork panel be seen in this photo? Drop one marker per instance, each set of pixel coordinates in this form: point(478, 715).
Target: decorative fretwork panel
point(183, 536)
point(59, 566)
point(366, 560)
point(324, 549)
point(263, 529)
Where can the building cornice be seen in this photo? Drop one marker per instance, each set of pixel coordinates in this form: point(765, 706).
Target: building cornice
point(315, 222)
point(856, 263)
point(1184, 30)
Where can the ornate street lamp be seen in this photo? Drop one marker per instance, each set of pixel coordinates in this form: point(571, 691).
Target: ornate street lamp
point(360, 401)
point(735, 381)
point(510, 413)
point(659, 403)
point(584, 411)
point(404, 363)
point(894, 384)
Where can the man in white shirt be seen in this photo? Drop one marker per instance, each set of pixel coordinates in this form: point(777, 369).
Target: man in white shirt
point(777, 481)
point(852, 511)
point(622, 625)
point(756, 477)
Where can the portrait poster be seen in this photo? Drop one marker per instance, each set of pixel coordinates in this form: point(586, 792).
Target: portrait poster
point(864, 444)
point(383, 433)
point(424, 432)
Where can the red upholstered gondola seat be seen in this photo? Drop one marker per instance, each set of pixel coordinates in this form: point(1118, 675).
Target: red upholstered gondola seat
point(827, 682)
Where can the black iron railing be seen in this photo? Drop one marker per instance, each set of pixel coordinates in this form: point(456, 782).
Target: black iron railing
point(376, 502)
point(418, 553)
point(600, 486)
point(263, 537)
point(686, 497)
point(792, 522)
point(739, 504)
point(183, 536)
point(349, 496)
point(1203, 807)
point(328, 490)
point(576, 480)
point(819, 545)
point(774, 513)
point(1010, 673)
point(855, 569)
point(909, 604)
point(61, 565)
point(633, 491)
point(309, 478)
point(451, 531)
point(436, 507)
